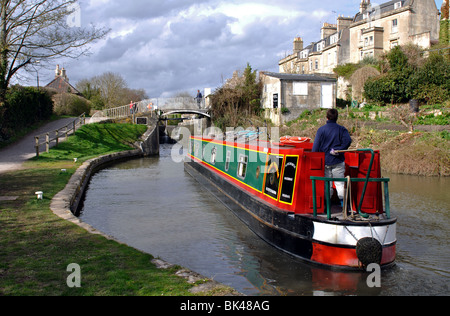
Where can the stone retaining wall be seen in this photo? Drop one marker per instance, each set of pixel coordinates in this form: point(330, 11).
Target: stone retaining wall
point(65, 204)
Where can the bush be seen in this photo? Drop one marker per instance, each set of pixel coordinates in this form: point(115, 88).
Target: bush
point(24, 106)
point(407, 79)
point(346, 70)
point(70, 104)
point(431, 83)
point(390, 88)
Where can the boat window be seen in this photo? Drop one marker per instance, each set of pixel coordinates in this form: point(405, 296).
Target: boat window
point(213, 155)
point(242, 167)
point(289, 174)
point(227, 162)
point(273, 173)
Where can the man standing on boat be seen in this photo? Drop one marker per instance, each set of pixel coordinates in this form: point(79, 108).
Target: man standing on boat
point(330, 139)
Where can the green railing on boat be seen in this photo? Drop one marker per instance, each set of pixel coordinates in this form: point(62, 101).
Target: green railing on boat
point(365, 180)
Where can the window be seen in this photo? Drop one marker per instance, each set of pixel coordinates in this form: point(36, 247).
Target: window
point(213, 155)
point(397, 5)
point(227, 162)
point(394, 28)
point(320, 46)
point(304, 54)
point(300, 88)
point(317, 64)
point(242, 167)
point(333, 39)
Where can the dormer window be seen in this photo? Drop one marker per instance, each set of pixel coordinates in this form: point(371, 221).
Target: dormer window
point(397, 5)
point(304, 53)
point(334, 39)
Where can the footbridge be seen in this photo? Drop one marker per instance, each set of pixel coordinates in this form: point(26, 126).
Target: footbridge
point(156, 107)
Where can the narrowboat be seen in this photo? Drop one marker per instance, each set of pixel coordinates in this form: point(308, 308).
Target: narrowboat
point(278, 189)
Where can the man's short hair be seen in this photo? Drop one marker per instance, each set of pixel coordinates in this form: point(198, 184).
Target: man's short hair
point(332, 115)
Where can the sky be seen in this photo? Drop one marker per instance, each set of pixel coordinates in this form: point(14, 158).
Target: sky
point(170, 46)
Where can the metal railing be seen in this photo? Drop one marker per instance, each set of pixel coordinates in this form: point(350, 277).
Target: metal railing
point(349, 180)
point(55, 135)
point(328, 198)
point(149, 105)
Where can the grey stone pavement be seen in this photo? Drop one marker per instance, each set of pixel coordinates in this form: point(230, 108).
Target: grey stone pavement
point(13, 156)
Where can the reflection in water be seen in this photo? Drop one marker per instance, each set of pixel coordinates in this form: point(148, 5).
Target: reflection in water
point(153, 205)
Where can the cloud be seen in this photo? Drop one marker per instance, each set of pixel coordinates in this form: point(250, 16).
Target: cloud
point(169, 46)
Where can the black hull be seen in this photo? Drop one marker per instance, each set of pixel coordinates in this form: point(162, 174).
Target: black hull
point(286, 232)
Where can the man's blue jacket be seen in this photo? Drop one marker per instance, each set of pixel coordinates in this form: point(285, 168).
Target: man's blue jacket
point(332, 136)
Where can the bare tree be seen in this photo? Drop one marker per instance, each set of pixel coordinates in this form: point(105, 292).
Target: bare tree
point(37, 30)
point(112, 90)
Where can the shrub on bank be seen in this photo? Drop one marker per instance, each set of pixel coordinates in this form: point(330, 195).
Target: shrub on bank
point(427, 80)
point(24, 106)
point(71, 104)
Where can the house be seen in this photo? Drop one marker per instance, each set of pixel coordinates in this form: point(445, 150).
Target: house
point(374, 30)
point(323, 56)
point(61, 83)
point(286, 96)
point(379, 28)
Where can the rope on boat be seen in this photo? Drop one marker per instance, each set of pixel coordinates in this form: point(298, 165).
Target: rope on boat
point(355, 216)
point(347, 199)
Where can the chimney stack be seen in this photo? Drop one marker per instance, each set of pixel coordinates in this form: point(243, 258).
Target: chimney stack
point(298, 45)
point(61, 73)
point(343, 22)
point(364, 5)
point(327, 30)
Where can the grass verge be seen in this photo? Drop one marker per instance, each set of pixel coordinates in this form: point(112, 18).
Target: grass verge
point(36, 246)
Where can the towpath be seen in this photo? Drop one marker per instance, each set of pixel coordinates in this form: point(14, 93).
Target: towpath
point(13, 156)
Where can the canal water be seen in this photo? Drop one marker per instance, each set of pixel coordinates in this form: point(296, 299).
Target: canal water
point(153, 205)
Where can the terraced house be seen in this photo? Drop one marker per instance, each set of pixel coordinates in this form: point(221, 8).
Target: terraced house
point(375, 29)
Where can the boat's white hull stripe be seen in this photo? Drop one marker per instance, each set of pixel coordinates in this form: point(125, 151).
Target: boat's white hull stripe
point(349, 235)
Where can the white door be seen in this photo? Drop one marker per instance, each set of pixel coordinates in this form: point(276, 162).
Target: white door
point(327, 95)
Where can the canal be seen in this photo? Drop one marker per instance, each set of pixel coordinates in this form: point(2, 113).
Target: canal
point(153, 205)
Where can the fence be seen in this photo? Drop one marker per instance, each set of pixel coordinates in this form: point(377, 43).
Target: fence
point(147, 106)
point(55, 135)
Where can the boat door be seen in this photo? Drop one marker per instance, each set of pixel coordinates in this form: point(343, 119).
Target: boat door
point(327, 95)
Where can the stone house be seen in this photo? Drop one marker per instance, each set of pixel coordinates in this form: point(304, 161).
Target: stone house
point(378, 28)
point(61, 83)
point(375, 29)
point(286, 96)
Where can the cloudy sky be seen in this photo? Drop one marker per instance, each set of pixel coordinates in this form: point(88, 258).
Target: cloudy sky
point(170, 46)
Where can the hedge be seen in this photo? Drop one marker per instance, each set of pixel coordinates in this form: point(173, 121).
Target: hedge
point(24, 106)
